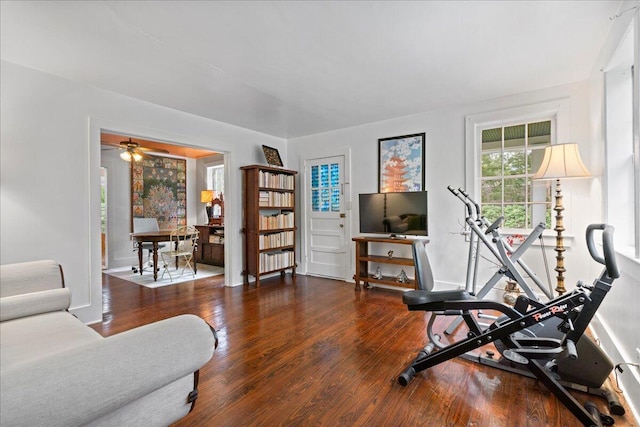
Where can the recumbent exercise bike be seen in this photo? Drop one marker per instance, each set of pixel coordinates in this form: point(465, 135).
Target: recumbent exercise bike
point(539, 354)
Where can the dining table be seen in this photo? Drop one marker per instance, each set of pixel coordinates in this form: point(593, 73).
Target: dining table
point(155, 237)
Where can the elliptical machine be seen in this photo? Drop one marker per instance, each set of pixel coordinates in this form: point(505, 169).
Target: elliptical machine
point(543, 355)
point(508, 260)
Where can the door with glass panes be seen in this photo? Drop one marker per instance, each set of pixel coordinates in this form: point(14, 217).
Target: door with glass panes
point(325, 217)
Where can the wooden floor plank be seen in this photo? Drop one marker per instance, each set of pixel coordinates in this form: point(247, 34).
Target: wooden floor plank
point(311, 351)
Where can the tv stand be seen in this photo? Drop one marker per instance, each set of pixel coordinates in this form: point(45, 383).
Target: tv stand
point(363, 259)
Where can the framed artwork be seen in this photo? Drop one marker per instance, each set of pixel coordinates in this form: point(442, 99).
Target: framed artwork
point(159, 190)
point(272, 155)
point(401, 163)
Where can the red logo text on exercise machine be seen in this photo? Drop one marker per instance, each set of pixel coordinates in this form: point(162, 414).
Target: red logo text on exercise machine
point(552, 310)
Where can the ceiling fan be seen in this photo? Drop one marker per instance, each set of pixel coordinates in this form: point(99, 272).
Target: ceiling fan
point(133, 151)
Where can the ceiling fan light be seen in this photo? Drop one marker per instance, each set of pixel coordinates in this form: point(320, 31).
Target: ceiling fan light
point(130, 155)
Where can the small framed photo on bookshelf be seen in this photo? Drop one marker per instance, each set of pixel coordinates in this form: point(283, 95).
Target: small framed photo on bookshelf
point(272, 155)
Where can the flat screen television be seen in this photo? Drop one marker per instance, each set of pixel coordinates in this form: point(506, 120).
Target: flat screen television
point(396, 214)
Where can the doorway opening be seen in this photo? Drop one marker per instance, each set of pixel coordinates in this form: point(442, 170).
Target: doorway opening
point(122, 187)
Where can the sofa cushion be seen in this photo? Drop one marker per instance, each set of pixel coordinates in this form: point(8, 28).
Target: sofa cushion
point(32, 303)
point(28, 338)
point(33, 276)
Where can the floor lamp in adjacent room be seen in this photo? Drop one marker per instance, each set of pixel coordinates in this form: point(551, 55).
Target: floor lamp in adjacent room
point(561, 161)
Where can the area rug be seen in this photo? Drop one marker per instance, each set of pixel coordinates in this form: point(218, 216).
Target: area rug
point(146, 278)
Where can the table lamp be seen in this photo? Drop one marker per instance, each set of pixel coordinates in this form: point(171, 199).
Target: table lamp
point(560, 161)
point(206, 196)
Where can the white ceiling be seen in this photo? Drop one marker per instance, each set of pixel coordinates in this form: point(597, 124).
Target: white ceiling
point(297, 68)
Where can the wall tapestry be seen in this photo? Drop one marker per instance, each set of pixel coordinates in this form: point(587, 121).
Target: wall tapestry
point(401, 163)
point(159, 190)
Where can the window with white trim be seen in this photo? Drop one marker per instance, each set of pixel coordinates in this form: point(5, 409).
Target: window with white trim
point(504, 149)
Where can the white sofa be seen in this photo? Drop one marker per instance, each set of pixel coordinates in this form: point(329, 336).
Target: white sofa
point(54, 370)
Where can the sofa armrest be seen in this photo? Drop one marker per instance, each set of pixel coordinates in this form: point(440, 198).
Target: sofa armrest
point(84, 383)
point(27, 277)
point(17, 306)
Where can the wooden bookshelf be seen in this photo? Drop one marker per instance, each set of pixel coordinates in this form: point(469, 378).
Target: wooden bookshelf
point(269, 225)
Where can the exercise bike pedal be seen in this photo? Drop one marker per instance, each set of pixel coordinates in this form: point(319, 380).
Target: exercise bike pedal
point(604, 419)
point(515, 357)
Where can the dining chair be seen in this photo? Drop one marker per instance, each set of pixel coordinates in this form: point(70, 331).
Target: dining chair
point(183, 242)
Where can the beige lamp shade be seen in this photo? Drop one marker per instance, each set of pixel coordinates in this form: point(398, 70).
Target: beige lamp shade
point(206, 196)
point(561, 161)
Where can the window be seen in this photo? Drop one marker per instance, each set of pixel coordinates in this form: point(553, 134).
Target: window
point(215, 179)
point(510, 156)
point(504, 149)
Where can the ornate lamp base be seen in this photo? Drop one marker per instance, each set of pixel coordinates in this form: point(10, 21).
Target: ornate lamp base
point(559, 228)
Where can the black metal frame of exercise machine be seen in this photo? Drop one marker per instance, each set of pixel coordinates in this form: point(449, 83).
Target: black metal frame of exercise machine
point(574, 310)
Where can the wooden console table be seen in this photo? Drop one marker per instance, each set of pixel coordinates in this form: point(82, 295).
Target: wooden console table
point(363, 259)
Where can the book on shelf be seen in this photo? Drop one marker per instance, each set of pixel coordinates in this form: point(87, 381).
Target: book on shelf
point(276, 240)
point(274, 198)
point(271, 222)
point(276, 261)
point(269, 179)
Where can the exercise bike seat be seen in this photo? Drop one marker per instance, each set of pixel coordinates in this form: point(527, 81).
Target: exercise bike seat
point(421, 297)
point(424, 294)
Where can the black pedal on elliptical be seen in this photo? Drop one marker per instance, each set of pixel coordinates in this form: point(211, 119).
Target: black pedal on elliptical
point(514, 357)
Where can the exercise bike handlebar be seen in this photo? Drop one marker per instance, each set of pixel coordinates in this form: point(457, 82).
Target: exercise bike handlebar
point(609, 258)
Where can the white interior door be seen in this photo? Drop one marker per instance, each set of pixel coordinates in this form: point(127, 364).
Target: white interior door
point(325, 228)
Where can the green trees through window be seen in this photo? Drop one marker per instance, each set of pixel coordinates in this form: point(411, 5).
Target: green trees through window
point(510, 157)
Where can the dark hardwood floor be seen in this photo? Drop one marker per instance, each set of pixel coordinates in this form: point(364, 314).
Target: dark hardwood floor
point(310, 351)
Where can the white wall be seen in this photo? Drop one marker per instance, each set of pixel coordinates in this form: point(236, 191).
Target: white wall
point(50, 171)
